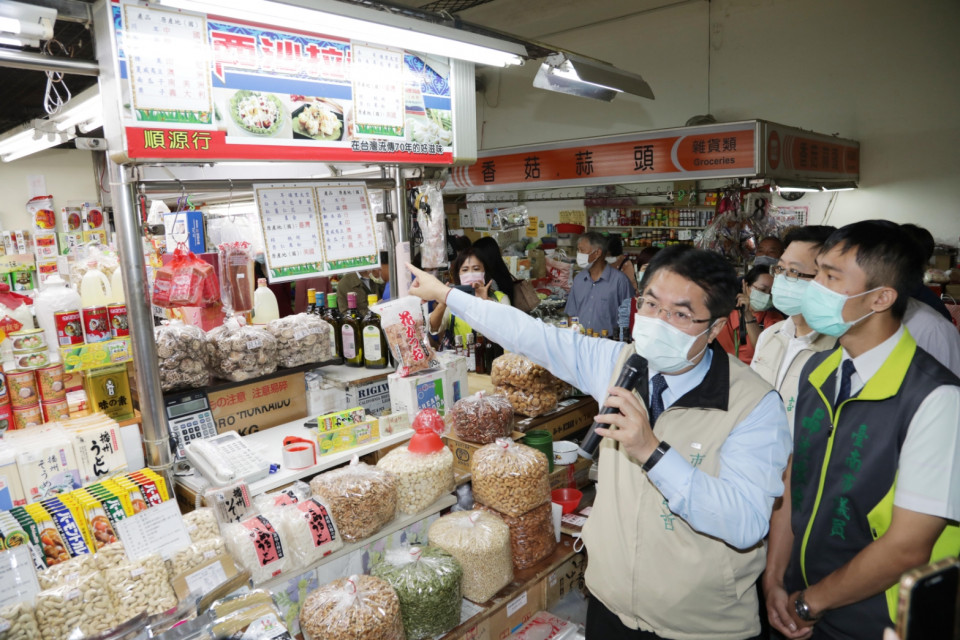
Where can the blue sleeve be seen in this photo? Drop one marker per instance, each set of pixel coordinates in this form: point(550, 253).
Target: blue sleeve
point(586, 363)
point(735, 506)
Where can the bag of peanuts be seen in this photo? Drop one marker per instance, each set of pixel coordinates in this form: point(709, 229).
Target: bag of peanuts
point(510, 477)
point(141, 586)
point(480, 542)
point(354, 608)
point(517, 371)
point(79, 608)
point(424, 469)
point(529, 402)
point(362, 498)
point(427, 581)
point(532, 537)
point(17, 622)
point(482, 418)
point(402, 321)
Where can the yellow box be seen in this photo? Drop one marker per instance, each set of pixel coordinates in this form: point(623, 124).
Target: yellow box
point(349, 436)
point(108, 391)
point(341, 419)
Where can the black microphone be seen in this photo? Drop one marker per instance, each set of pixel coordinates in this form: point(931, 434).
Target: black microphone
point(632, 371)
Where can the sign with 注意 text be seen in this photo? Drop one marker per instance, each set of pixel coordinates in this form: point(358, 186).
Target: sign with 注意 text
point(256, 406)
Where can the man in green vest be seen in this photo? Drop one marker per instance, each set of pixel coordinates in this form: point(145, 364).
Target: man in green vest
point(872, 487)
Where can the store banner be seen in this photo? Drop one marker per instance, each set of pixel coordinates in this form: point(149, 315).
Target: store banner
point(691, 153)
point(804, 155)
point(204, 87)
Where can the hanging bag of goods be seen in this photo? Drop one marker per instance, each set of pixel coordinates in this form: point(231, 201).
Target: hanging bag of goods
point(194, 282)
point(402, 321)
point(236, 273)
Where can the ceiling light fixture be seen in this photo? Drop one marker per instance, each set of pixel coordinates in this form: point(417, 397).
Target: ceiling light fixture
point(366, 25)
point(25, 25)
point(577, 75)
point(84, 113)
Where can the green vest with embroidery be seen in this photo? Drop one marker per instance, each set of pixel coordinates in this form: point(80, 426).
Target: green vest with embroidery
point(845, 462)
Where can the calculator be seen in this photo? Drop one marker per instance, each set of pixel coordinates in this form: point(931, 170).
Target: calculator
point(189, 417)
point(227, 458)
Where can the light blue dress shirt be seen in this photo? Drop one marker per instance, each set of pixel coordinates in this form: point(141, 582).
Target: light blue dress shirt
point(595, 302)
point(734, 506)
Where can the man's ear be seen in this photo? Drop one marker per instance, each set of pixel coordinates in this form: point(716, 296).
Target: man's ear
point(715, 330)
point(886, 299)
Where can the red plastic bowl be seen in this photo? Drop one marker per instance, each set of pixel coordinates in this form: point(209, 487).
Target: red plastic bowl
point(569, 499)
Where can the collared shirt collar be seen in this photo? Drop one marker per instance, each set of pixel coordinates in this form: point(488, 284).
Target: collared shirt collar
point(789, 329)
point(869, 363)
point(585, 273)
point(706, 385)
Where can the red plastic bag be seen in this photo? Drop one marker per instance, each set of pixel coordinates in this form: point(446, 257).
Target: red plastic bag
point(194, 283)
point(163, 282)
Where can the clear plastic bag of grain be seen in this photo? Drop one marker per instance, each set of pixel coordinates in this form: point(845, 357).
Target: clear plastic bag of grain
point(480, 542)
point(309, 529)
point(303, 338)
point(482, 418)
point(259, 545)
point(240, 352)
point(361, 497)
point(182, 350)
point(77, 609)
point(529, 402)
point(110, 556)
point(69, 571)
point(141, 586)
point(532, 536)
point(517, 371)
point(201, 524)
point(360, 607)
point(421, 477)
point(17, 622)
point(427, 581)
point(510, 477)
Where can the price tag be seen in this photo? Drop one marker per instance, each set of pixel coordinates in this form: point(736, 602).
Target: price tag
point(159, 529)
point(18, 577)
point(206, 579)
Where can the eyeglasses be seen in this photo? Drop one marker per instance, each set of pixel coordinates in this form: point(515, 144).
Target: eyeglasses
point(679, 319)
point(792, 274)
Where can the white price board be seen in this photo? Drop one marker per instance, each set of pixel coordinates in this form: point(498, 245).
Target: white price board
point(159, 529)
point(18, 577)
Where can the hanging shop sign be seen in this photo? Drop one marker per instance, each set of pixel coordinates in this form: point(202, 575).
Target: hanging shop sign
point(202, 87)
point(753, 148)
point(314, 229)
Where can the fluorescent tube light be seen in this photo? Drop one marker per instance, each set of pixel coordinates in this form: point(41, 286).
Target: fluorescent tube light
point(32, 146)
point(580, 76)
point(404, 33)
point(798, 189)
point(24, 24)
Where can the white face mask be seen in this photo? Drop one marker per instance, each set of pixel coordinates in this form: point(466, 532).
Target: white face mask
point(759, 301)
point(664, 347)
point(611, 259)
point(472, 276)
point(583, 260)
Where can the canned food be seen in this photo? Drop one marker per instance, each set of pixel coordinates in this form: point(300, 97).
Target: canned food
point(23, 389)
point(28, 339)
point(4, 392)
point(96, 324)
point(69, 327)
point(31, 416)
point(33, 359)
point(6, 418)
point(55, 410)
point(50, 381)
point(119, 325)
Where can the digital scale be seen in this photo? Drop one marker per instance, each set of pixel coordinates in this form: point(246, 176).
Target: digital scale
point(190, 418)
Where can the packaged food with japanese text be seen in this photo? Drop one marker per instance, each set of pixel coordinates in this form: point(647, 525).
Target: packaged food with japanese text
point(402, 321)
point(310, 530)
point(98, 445)
point(108, 391)
point(46, 462)
point(259, 545)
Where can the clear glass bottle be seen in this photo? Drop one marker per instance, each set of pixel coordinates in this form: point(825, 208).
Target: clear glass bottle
point(375, 350)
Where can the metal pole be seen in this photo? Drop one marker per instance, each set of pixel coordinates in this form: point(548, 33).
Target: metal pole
point(39, 62)
point(156, 435)
point(400, 200)
point(389, 237)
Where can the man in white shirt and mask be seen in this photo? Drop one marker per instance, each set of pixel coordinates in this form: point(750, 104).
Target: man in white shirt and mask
point(598, 289)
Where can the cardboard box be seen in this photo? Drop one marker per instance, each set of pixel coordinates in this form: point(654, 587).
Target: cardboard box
point(952, 290)
point(455, 384)
point(570, 416)
point(517, 611)
point(575, 475)
point(252, 407)
point(563, 580)
point(349, 436)
point(422, 390)
point(463, 451)
point(372, 393)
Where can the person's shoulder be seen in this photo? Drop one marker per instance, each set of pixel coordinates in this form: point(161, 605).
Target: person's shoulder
point(615, 275)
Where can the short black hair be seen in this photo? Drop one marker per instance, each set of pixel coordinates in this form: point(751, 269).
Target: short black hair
point(755, 272)
point(885, 258)
point(595, 240)
point(814, 234)
point(922, 237)
point(706, 269)
point(614, 245)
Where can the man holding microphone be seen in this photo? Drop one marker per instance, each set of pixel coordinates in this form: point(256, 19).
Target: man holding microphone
point(690, 462)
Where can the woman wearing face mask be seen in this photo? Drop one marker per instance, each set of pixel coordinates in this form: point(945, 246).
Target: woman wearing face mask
point(467, 269)
point(739, 336)
point(620, 261)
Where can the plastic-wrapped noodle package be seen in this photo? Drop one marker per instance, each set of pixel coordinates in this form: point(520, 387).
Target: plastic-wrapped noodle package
point(76, 610)
point(480, 542)
point(309, 530)
point(259, 545)
point(289, 495)
point(17, 622)
point(201, 524)
point(427, 581)
point(510, 477)
point(141, 586)
point(361, 498)
point(355, 608)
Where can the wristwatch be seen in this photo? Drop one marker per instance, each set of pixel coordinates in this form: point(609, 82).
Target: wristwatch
point(803, 609)
point(654, 458)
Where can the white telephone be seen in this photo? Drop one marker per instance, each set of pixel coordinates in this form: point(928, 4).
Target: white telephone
point(226, 458)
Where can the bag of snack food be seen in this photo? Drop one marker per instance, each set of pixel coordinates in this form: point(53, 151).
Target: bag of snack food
point(236, 273)
point(350, 609)
point(482, 418)
point(402, 321)
point(510, 477)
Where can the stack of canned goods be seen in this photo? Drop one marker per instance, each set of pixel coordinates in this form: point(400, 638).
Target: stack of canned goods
point(32, 398)
point(30, 349)
point(92, 324)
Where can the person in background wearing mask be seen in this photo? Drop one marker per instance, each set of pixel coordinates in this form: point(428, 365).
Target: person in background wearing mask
point(872, 483)
point(489, 253)
point(362, 283)
point(740, 334)
point(689, 466)
point(598, 289)
point(768, 252)
point(620, 261)
point(467, 269)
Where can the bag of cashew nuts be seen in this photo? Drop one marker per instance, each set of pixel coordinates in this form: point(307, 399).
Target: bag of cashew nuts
point(510, 477)
point(17, 622)
point(517, 371)
point(480, 542)
point(532, 537)
point(362, 498)
point(303, 338)
point(529, 402)
point(80, 608)
point(141, 586)
point(356, 608)
point(482, 418)
point(241, 352)
point(184, 355)
point(421, 477)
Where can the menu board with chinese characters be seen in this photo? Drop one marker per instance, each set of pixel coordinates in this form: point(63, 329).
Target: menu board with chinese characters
point(378, 91)
point(169, 77)
point(316, 229)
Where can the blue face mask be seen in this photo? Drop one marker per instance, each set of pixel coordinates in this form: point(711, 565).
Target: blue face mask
point(788, 295)
point(823, 309)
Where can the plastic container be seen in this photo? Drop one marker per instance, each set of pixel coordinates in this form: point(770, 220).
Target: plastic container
point(56, 297)
point(564, 452)
point(542, 441)
point(569, 499)
point(265, 307)
point(116, 288)
point(95, 290)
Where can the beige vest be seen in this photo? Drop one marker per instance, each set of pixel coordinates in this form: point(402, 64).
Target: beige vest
point(767, 361)
point(648, 565)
